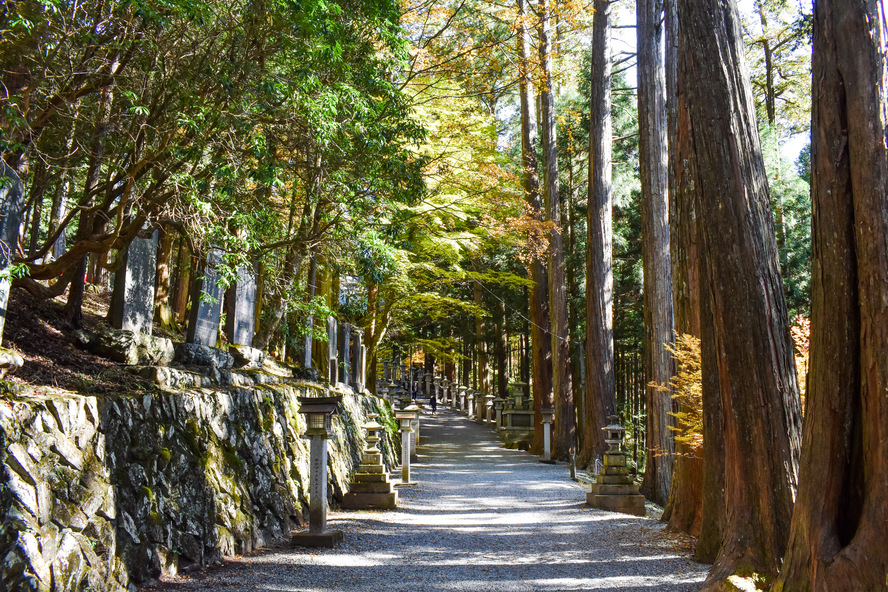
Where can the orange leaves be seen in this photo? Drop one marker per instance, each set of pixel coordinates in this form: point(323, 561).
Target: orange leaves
point(801, 336)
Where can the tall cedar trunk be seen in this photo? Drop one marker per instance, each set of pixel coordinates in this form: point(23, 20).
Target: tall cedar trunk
point(541, 345)
point(653, 164)
point(750, 338)
point(310, 290)
point(163, 313)
point(697, 496)
point(841, 515)
point(684, 510)
point(576, 340)
point(713, 509)
point(600, 386)
point(564, 441)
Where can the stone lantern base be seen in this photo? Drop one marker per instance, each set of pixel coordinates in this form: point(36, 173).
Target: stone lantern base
point(328, 539)
point(614, 489)
point(371, 488)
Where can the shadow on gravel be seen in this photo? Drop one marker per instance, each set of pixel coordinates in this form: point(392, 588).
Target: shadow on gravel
point(480, 519)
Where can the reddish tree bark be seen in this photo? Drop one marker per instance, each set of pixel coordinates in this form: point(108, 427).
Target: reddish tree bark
point(541, 345)
point(600, 386)
point(564, 440)
point(749, 342)
point(653, 164)
point(841, 515)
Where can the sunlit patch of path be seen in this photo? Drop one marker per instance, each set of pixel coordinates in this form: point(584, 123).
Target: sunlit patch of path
point(480, 518)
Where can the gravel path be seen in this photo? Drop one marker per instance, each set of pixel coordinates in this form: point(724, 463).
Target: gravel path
point(482, 519)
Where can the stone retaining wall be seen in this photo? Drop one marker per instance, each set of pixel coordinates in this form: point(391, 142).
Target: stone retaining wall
point(97, 493)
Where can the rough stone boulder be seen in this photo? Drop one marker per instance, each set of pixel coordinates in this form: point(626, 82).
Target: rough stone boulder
point(128, 347)
point(9, 361)
point(247, 357)
point(193, 354)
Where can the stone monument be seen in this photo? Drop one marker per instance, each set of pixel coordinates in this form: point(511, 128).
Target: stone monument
point(614, 489)
point(12, 200)
point(241, 309)
point(132, 299)
point(206, 306)
point(371, 488)
point(333, 372)
point(344, 354)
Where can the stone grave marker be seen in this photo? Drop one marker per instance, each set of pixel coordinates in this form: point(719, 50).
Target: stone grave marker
point(12, 200)
point(358, 366)
point(241, 308)
point(344, 353)
point(206, 304)
point(132, 299)
point(331, 350)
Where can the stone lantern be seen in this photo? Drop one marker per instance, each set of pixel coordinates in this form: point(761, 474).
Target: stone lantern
point(414, 435)
point(459, 402)
point(371, 489)
point(614, 488)
point(613, 435)
point(445, 384)
point(498, 405)
point(488, 408)
point(318, 413)
point(405, 419)
point(548, 419)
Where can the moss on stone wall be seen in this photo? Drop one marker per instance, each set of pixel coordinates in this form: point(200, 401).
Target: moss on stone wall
point(100, 492)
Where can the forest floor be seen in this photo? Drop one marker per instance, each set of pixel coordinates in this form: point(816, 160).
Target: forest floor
point(479, 518)
point(38, 331)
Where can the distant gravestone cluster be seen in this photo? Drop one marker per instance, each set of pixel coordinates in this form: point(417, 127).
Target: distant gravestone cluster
point(132, 309)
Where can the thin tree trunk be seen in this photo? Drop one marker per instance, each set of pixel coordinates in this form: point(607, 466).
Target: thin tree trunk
point(600, 386)
point(564, 442)
point(480, 332)
point(653, 161)
point(163, 312)
point(60, 197)
point(837, 540)
point(74, 305)
point(541, 344)
point(183, 280)
point(502, 381)
point(750, 341)
point(38, 186)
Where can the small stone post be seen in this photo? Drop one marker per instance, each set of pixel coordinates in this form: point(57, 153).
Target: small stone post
point(319, 415)
point(406, 420)
point(548, 418)
point(488, 408)
point(498, 406)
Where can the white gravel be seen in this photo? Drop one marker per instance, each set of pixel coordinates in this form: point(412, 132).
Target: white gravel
point(480, 518)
